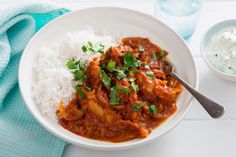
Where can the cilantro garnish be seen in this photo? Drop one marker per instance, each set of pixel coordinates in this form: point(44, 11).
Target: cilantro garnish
point(84, 48)
point(77, 68)
point(97, 47)
point(114, 98)
point(121, 75)
point(122, 89)
point(154, 56)
point(121, 72)
point(133, 84)
point(105, 79)
point(78, 75)
point(111, 65)
point(154, 109)
point(133, 70)
point(139, 106)
point(71, 64)
point(150, 74)
point(130, 60)
point(81, 92)
point(162, 53)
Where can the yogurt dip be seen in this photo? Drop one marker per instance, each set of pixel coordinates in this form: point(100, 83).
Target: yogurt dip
point(221, 50)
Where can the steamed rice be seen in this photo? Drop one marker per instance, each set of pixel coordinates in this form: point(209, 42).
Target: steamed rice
point(52, 80)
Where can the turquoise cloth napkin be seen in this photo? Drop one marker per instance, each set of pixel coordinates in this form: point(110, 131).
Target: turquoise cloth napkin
point(20, 134)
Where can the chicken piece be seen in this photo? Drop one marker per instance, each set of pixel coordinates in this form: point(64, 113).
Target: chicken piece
point(154, 88)
point(102, 96)
point(125, 130)
point(105, 113)
point(73, 111)
point(92, 73)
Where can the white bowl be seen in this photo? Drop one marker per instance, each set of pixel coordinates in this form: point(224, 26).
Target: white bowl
point(206, 38)
point(116, 21)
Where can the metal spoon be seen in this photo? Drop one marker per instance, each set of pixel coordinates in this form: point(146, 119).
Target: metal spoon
point(215, 110)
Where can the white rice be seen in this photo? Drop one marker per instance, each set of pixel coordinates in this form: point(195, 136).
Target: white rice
point(52, 80)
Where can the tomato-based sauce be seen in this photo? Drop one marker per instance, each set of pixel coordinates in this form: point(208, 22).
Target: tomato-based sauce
point(125, 95)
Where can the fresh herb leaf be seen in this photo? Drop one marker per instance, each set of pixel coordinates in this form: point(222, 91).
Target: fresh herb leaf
point(71, 64)
point(81, 92)
point(130, 60)
point(78, 75)
point(81, 66)
point(121, 72)
point(114, 98)
point(134, 70)
point(111, 65)
point(77, 68)
point(139, 106)
point(105, 79)
point(84, 48)
point(162, 53)
point(121, 75)
point(136, 108)
point(154, 109)
point(133, 84)
point(90, 44)
point(103, 65)
point(154, 56)
point(140, 48)
point(125, 70)
point(123, 90)
point(102, 49)
point(97, 47)
point(150, 74)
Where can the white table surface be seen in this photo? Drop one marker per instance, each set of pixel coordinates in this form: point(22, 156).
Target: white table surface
point(197, 135)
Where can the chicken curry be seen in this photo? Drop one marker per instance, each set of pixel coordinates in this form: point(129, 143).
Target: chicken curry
point(124, 93)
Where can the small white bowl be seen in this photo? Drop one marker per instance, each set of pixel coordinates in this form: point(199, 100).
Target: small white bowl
point(115, 21)
point(206, 38)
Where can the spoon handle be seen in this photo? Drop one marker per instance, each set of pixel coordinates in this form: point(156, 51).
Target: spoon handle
point(215, 110)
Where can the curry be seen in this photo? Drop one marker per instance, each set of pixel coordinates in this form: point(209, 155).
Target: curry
point(124, 94)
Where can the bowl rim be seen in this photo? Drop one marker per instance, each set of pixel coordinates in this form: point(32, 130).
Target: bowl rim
point(112, 146)
point(202, 47)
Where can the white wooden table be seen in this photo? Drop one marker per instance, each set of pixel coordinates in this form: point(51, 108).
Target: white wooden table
point(197, 135)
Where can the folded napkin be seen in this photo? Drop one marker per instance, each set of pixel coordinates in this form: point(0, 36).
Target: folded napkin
point(20, 134)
